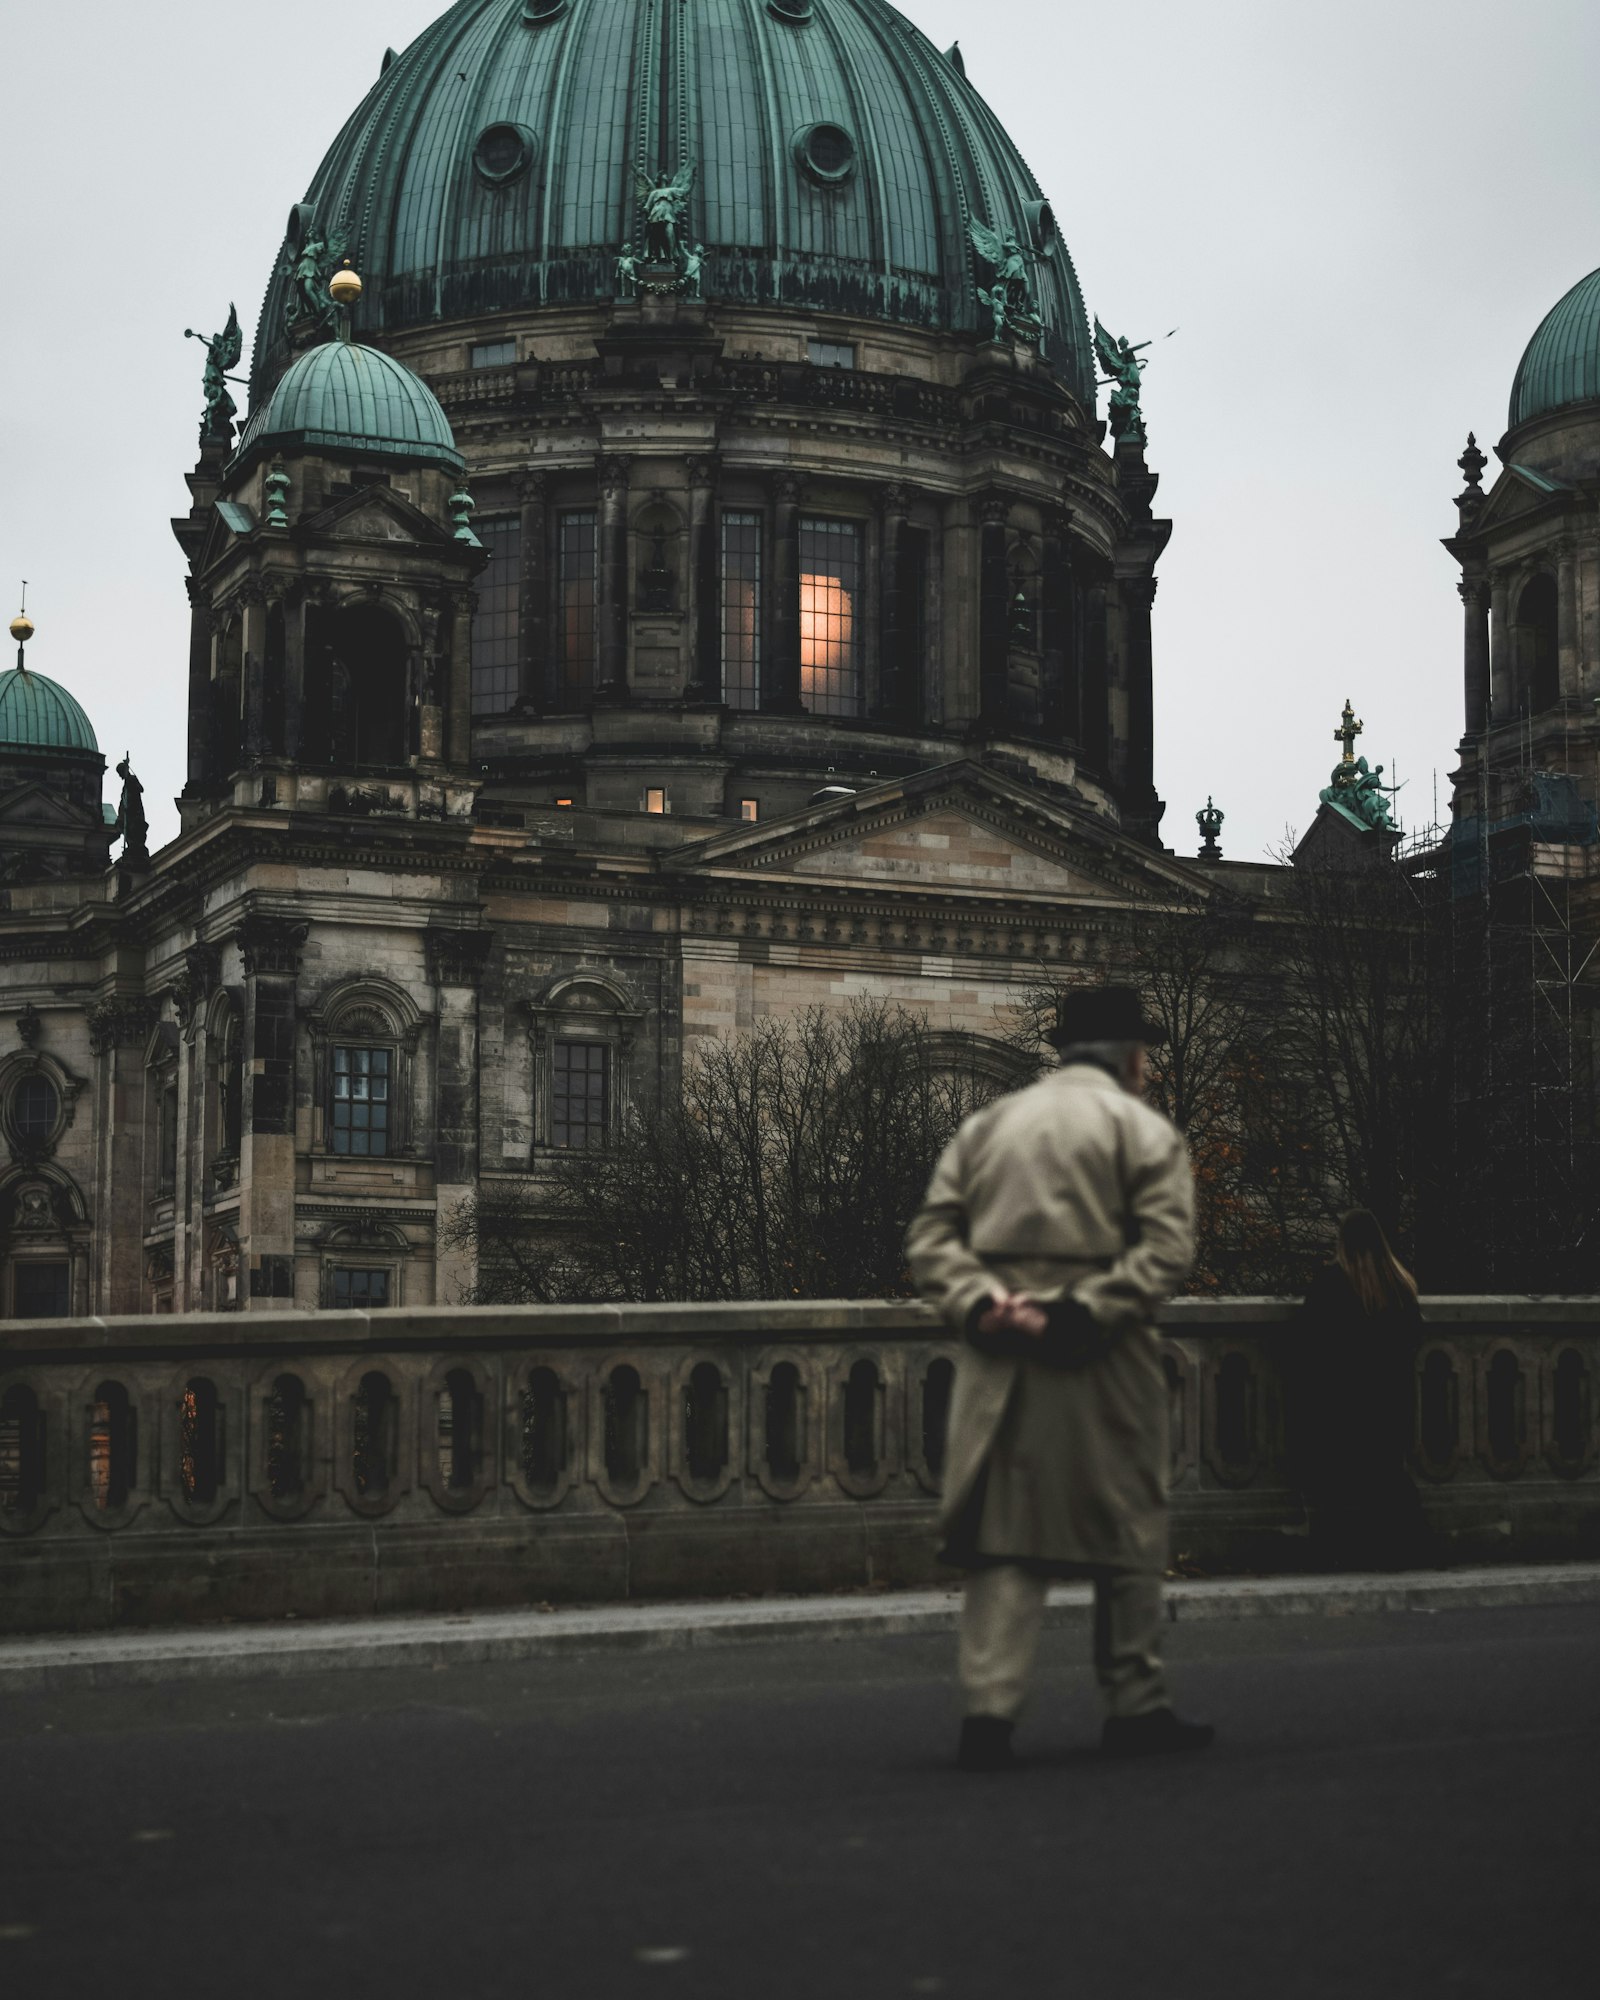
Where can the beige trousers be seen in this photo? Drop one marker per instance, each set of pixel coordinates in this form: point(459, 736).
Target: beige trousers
point(1002, 1610)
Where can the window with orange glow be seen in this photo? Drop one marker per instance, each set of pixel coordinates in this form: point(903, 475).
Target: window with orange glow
point(830, 625)
point(655, 799)
point(749, 809)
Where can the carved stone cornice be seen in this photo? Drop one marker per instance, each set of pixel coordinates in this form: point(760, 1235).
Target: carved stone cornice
point(270, 945)
point(994, 509)
point(613, 473)
point(456, 957)
point(533, 489)
point(702, 471)
point(123, 1021)
point(202, 969)
point(30, 1026)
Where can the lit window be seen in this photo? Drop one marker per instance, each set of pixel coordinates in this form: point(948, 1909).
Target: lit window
point(42, 1291)
point(741, 610)
point(494, 353)
point(655, 799)
point(563, 802)
point(360, 1291)
point(580, 1090)
point(830, 645)
point(576, 580)
point(35, 1107)
point(494, 623)
point(361, 1101)
point(830, 354)
point(749, 809)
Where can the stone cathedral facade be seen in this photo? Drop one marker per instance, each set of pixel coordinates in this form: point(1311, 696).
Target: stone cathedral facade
point(671, 572)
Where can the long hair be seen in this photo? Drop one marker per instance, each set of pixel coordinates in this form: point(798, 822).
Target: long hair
point(1376, 1274)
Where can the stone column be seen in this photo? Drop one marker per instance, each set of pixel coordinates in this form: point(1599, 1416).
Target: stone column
point(270, 949)
point(1141, 808)
point(1502, 705)
point(533, 599)
point(1475, 650)
point(1057, 633)
point(202, 749)
point(455, 966)
point(894, 669)
point(433, 688)
point(1116, 680)
point(780, 689)
point(1568, 651)
point(611, 581)
point(993, 611)
point(704, 681)
point(119, 1028)
point(253, 742)
point(294, 673)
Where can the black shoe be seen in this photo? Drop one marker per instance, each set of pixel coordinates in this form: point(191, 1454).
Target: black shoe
point(1152, 1735)
point(986, 1744)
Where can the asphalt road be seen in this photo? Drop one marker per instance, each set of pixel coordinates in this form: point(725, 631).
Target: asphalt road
point(1402, 1805)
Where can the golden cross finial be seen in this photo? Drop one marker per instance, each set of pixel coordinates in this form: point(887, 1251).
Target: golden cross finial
point(1347, 732)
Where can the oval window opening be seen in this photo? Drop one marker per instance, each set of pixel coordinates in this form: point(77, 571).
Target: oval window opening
point(827, 152)
point(502, 152)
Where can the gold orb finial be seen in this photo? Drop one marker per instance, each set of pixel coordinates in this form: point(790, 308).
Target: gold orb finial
point(22, 628)
point(344, 287)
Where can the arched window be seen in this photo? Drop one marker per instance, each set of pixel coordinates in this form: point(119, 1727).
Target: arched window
point(832, 616)
point(357, 688)
point(1537, 660)
point(364, 1038)
point(583, 1029)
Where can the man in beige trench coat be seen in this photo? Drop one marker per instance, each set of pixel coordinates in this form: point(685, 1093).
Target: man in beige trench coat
point(1056, 1222)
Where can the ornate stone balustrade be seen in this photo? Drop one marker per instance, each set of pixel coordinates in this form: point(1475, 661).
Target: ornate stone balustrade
point(211, 1466)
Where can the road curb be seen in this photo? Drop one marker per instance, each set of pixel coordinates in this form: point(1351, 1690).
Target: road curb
point(65, 1663)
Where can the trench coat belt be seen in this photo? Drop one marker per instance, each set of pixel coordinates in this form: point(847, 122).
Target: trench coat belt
point(1040, 1257)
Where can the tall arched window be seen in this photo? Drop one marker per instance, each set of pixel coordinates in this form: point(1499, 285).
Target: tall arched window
point(357, 688)
point(1537, 659)
point(832, 616)
point(364, 1038)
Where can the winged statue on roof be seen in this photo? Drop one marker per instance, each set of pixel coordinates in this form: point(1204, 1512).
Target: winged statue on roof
point(1009, 293)
point(664, 205)
point(222, 353)
point(309, 309)
point(1125, 372)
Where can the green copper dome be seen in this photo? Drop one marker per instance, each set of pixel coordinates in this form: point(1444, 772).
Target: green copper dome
point(36, 714)
point(838, 161)
point(1562, 362)
point(342, 397)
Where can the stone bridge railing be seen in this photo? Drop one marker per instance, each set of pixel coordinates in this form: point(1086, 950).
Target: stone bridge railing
point(251, 1466)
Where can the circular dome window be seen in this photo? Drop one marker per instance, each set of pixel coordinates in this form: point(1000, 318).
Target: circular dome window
point(827, 152)
point(503, 152)
point(1041, 226)
point(540, 11)
point(796, 12)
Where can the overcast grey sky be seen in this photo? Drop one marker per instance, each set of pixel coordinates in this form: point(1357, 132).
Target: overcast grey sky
point(1355, 214)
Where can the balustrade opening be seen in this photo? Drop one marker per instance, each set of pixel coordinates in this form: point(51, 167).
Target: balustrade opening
point(1570, 1415)
point(460, 1427)
point(862, 1398)
point(113, 1446)
point(1236, 1411)
point(22, 1449)
point(202, 1441)
point(544, 1430)
point(627, 1413)
point(785, 1422)
point(705, 1422)
point(377, 1435)
point(1177, 1414)
point(1506, 1410)
point(937, 1385)
point(1439, 1421)
point(288, 1438)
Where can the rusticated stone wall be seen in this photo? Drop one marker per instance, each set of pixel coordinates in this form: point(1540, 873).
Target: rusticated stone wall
point(156, 1469)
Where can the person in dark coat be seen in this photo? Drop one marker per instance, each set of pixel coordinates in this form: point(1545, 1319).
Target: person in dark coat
point(1352, 1402)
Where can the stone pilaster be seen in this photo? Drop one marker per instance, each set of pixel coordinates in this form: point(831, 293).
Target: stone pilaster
point(533, 598)
point(704, 681)
point(611, 581)
point(1058, 634)
point(455, 966)
point(119, 1028)
point(1502, 698)
point(1569, 661)
point(993, 611)
point(895, 684)
point(1141, 809)
point(270, 949)
point(780, 690)
point(1475, 651)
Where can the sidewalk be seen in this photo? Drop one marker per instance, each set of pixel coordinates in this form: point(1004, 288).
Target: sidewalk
point(55, 1663)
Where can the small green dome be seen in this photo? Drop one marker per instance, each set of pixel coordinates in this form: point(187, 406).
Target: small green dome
point(1562, 361)
point(340, 397)
point(35, 714)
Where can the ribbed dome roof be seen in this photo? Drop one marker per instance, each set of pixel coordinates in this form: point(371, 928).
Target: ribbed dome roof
point(838, 159)
point(38, 715)
point(342, 397)
point(1562, 361)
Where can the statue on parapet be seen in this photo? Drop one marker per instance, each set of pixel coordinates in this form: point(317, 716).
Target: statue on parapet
point(1009, 293)
point(1124, 372)
point(222, 353)
point(132, 827)
point(627, 272)
point(664, 204)
point(1359, 788)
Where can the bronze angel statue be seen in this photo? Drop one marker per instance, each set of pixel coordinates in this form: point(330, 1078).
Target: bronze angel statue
point(1125, 373)
point(222, 353)
point(1009, 295)
point(664, 205)
point(309, 307)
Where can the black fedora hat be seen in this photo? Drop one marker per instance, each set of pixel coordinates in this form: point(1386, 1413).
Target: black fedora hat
point(1103, 1014)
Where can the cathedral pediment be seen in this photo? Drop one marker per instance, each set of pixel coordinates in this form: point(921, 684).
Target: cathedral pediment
point(35, 805)
point(375, 514)
point(1521, 494)
point(958, 830)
